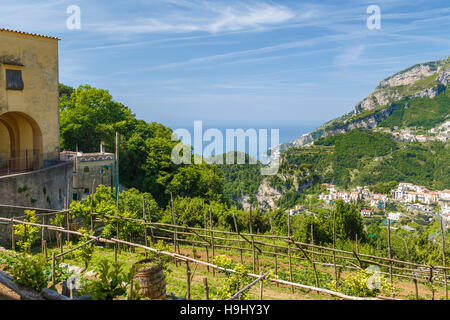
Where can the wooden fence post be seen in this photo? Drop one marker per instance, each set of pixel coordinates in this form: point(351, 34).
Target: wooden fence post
point(117, 200)
point(206, 234)
point(174, 219)
point(150, 221)
point(188, 281)
point(389, 250)
point(61, 246)
point(68, 224)
point(431, 282)
point(42, 235)
point(212, 238)
point(312, 256)
point(92, 200)
point(25, 232)
point(261, 288)
point(68, 193)
point(257, 255)
point(289, 248)
point(444, 262)
point(53, 268)
point(13, 240)
point(253, 242)
point(145, 225)
point(45, 250)
point(334, 248)
point(238, 237)
point(414, 278)
point(274, 248)
point(206, 288)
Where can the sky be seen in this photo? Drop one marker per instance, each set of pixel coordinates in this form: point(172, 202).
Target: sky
point(288, 65)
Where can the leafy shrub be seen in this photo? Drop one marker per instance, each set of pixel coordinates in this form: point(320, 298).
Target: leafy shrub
point(32, 271)
point(58, 220)
point(29, 271)
point(83, 254)
point(113, 281)
point(165, 259)
point(28, 234)
point(233, 282)
point(357, 285)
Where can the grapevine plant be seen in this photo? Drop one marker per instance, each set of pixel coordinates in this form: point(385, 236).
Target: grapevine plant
point(233, 282)
point(357, 285)
point(28, 234)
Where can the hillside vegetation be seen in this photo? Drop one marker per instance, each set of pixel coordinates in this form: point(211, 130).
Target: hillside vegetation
point(361, 157)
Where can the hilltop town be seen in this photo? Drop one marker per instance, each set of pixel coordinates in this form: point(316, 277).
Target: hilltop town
point(407, 197)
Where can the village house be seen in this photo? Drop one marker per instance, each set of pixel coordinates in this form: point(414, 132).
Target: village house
point(366, 213)
point(444, 195)
point(90, 170)
point(395, 216)
point(410, 193)
point(378, 200)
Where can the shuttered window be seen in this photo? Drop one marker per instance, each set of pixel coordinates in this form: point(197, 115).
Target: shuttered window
point(14, 79)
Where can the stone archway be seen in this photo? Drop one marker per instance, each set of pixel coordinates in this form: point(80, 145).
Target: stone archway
point(20, 143)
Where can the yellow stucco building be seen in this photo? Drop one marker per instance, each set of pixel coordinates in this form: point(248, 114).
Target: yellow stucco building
point(31, 173)
point(29, 115)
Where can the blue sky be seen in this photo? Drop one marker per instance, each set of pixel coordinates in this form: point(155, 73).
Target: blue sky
point(290, 65)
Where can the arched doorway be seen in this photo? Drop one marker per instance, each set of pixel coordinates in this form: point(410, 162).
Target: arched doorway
point(20, 143)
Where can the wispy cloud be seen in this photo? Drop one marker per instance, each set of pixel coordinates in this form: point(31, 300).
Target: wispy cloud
point(351, 55)
point(207, 16)
point(258, 51)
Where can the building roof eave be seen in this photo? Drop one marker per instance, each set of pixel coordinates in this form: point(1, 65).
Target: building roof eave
point(29, 34)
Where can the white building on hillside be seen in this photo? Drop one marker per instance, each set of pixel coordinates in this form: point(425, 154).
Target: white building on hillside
point(395, 216)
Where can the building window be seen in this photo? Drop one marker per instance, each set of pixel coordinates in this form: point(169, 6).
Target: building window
point(86, 169)
point(14, 79)
point(86, 191)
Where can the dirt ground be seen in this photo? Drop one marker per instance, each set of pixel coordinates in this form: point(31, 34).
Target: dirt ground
point(7, 294)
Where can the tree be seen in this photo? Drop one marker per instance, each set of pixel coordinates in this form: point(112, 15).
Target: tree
point(65, 90)
point(90, 116)
point(197, 181)
point(348, 221)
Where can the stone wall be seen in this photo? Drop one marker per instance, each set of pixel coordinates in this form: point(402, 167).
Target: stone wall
point(9, 212)
point(45, 188)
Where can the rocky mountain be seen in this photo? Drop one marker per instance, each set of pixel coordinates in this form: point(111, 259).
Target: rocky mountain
point(422, 81)
point(400, 132)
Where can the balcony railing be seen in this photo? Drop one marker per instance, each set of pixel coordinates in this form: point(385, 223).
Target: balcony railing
point(26, 162)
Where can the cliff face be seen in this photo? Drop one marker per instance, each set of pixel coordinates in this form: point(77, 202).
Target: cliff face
point(393, 88)
point(266, 196)
point(412, 74)
point(423, 80)
point(369, 122)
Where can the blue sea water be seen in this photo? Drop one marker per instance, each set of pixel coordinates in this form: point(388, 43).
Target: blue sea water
point(287, 132)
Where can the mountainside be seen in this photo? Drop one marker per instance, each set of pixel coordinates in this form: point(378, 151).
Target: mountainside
point(399, 133)
point(414, 97)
